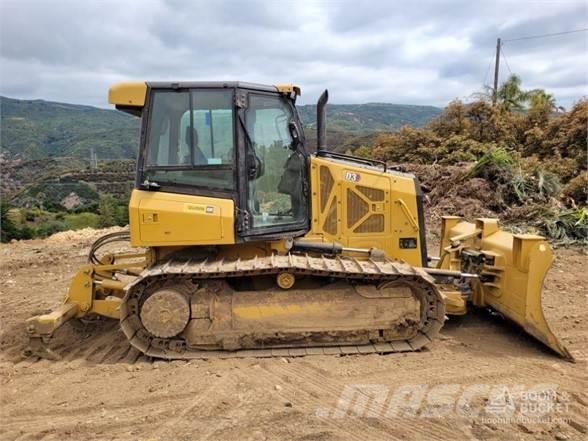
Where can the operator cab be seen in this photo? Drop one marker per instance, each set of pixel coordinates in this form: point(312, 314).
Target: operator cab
point(226, 140)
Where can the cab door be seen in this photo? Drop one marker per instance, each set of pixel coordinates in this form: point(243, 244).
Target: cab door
point(276, 171)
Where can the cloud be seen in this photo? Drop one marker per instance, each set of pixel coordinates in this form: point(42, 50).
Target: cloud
point(425, 52)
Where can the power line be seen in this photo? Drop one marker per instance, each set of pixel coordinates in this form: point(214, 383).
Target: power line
point(530, 37)
point(487, 72)
point(499, 47)
point(506, 61)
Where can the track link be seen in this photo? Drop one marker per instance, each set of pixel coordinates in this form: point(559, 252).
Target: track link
point(347, 268)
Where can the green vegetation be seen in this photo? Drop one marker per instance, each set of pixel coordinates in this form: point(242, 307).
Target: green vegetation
point(8, 230)
point(30, 222)
point(518, 184)
point(568, 226)
point(112, 212)
point(53, 196)
point(564, 226)
point(351, 126)
point(465, 132)
point(492, 164)
point(81, 220)
point(39, 129)
point(532, 155)
point(42, 197)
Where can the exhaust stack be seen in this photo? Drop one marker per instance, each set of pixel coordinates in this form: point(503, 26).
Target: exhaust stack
point(321, 121)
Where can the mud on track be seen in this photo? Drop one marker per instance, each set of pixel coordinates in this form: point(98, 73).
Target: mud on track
point(104, 390)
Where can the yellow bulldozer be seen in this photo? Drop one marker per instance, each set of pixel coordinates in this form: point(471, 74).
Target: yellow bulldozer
point(248, 245)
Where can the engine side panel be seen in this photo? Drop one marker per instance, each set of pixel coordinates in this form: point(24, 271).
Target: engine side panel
point(363, 207)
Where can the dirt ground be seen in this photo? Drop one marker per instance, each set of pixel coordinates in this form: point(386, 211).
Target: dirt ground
point(101, 390)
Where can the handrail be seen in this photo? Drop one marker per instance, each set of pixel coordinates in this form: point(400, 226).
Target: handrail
point(373, 162)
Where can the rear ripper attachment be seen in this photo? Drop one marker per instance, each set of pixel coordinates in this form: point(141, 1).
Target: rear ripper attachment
point(96, 289)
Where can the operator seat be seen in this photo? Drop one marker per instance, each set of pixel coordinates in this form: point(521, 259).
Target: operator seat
point(291, 183)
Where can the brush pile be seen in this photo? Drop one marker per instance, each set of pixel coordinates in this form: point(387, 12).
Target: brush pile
point(522, 194)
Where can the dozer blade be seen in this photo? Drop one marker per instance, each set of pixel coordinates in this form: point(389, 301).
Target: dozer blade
point(512, 268)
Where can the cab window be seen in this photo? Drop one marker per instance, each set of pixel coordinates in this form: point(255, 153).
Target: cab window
point(191, 139)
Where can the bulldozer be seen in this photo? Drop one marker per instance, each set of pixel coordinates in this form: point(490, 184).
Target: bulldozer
point(246, 244)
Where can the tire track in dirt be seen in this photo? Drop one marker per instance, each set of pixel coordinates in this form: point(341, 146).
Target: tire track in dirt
point(123, 415)
point(205, 400)
point(99, 344)
point(99, 367)
point(321, 383)
point(359, 431)
point(102, 344)
point(259, 399)
point(23, 415)
point(526, 376)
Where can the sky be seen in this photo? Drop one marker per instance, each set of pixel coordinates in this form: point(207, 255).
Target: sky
point(407, 52)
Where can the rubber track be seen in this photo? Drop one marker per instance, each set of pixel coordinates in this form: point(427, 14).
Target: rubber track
point(432, 316)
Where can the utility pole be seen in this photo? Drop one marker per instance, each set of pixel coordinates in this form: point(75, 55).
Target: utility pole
point(496, 66)
point(93, 159)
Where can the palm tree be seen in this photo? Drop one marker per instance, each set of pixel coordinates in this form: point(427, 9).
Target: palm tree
point(510, 96)
point(541, 102)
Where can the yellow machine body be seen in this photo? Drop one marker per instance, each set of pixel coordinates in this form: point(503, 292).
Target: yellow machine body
point(169, 219)
point(361, 207)
point(128, 93)
point(357, 268)
point(355, 206)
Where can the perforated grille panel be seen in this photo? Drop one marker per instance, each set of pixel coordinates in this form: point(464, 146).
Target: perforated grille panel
point(356, 208)
point(373, 224)
point(373, 194)
point(330, 224)
point(348, 208)
point(326, 185)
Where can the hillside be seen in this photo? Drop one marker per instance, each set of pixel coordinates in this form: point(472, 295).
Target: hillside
point(38, 129)
point(370, 117)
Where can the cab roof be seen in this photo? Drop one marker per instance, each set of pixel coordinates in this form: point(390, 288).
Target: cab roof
point(130, 95)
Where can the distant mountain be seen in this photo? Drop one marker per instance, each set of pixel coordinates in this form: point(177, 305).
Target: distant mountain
point(371, 117)
point(36, 129)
